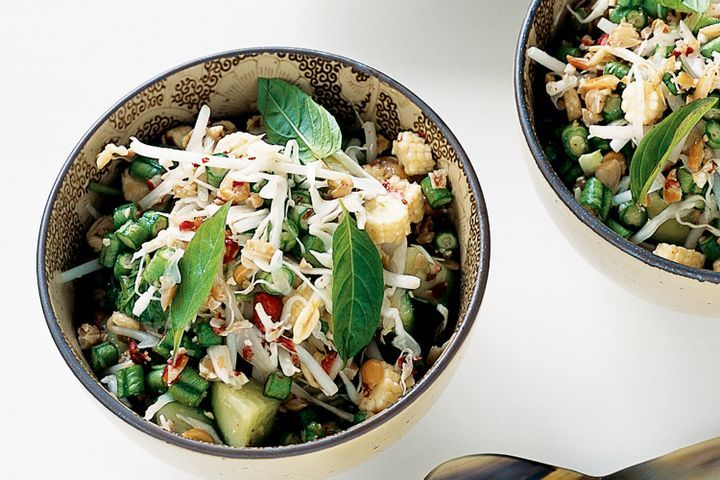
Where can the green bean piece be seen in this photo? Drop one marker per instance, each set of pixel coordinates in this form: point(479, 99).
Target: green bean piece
point(300, 214)
point(257, 186)
point(590, 162)
point(620, 70)
point(445, 241)
point(311, 242)
point(664, 50)
point(126, 297)
point(618, 228)
point(359, 417)
point(669, 82)
point(575, 140)
point(190, 388)
point(206, 335)
point(569, 171)
point(110, 250)
point(687, 183)
point(632, 215)
point(132, 235)
point(636, 18)
point(436, 197)
point(158, 265)
point(215, 175)
point(289, 235)
point(164, 347)
point(154, 380)
point(278, 386)
point(130, 381)
point(711, 47)
point(653, 8)
point(103, 356)
point(124, 265)
point(617, 14)
point(144, 168)
point(312, 431)
point(593, 197)
point(607, 204)
point(628, 3)
point(711, 248)
point(153, 222)
point(103, 189)
point(269, 287)
point(564, 51)
point(704, 21)
point(601, 144)
point(612, 110)
point(712, 132)
point(301, 196)
point(123, 214)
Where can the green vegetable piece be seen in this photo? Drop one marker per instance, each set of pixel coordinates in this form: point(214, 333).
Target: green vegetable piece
point(713, 46)
point(103, 356)
point(702, 21)
point(629, 3)
point(153, 222)
point(711, 248)
point(206, 336)
point(132, 235)
point(289, 235)
point(291, 114)
point(124, 265)
point(165, 347)
point(654, 8)
point(594, 198)
point(564, 51)
point(144, 168)
point(359, 417)
point(179, 413)
point(158, 265)
point(617, 14)
point(110, 250)
point(636, 18)
point(312, 431)
point(130, 381)
point(244, 416)
point(656, 146)
point(612, 110)
point(313, 243)
point(123, 214)
point(190, 388)
point(357, 290)
point(575, 140)
point(104, 189)
point(300, 214)
point(154, 380)
point(590, 161)
point(278, 386)
point(436, 197)
point(278, 282)
point(632, 215)
point(687, 184)
point(446, 241)
point(618, 228)
point(620, 70)
point(198, 267)
point(686, 6)
point(301, 196)
point(712, 132)
point(436, 279)
point(403, 302)
point(669, 82)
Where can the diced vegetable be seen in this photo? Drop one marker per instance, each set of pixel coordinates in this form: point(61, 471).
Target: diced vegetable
point(123, 214)
point(575, 140)
point(154, 380)
point(124, 265)
point(620, 70)
point(632, 215)
point(612, 110)
point(132, 235)
point(619, 228)
point(104, 189)
point(596, 198)
point(244, 416)
point(285, 277)
point(144, 168)
point(445, 241)
point(278, 386)
point(403, 302)
point(190, 388)
point(103, 356)
point(178, 413)
point(158, 265)
point(710, 247)
point(313, 243)
point(110, 250)
point(153, 222)
point(206, 336)
point(300, 214)
point(436, 197)
point(130, 381)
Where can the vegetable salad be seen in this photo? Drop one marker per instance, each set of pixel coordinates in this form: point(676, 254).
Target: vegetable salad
point(269, 286)
point(637, 135)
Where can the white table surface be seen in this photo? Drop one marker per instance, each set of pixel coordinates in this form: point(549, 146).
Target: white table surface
point(563, 367)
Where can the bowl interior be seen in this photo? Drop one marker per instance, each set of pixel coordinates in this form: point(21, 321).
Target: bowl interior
point(227, 83)
point(539, 28)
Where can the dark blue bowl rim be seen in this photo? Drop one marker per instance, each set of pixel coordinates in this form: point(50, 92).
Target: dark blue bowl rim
point(136, 421)
point(563, 192)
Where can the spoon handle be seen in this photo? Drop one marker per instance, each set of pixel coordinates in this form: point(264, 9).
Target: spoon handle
point(499, 467)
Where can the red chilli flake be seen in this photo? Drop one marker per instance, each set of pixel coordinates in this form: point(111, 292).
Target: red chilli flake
point(247, 353)
point(231, 250)
point(190, 225)
point(587, 41)
point(288, 344)
point(150, 184)
point(689, 51)
point(603, 39)
point(205, 159)
point(174, 369)
point(137, 355)
point(237, 184)
point(272, 305)
point(328, 361)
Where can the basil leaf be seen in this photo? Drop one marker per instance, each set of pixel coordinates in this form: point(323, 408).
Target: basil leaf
point(687, 6)
point(198, 267)
point(291, 114)
point(656, 146)
point(357, 291)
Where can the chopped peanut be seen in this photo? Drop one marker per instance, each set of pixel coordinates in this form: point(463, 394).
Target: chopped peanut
point(681, 255)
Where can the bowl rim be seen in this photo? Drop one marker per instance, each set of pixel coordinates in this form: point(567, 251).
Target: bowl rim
point(274, 452)
point(543, 164)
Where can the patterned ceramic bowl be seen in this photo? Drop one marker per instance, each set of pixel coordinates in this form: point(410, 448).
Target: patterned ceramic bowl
point(227, 83)
point(658, 280)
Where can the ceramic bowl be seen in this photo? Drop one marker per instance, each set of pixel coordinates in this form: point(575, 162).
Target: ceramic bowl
point(656, 279)
point(227, 83)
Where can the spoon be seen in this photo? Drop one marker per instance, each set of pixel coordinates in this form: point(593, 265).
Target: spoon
point(697, 462)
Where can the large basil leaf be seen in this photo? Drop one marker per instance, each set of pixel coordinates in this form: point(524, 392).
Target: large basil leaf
point(656, 146)
point(687, 6)
point(291, 114)
point(357, 291)
point(198, 267)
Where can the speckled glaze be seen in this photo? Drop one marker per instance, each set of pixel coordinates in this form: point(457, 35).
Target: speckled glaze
point(227, 83)
point(660, 281)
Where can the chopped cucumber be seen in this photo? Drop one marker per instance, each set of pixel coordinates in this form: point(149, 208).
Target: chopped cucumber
point(245, 416)
point(402, 301)
point(175, 411)
point(436, 280)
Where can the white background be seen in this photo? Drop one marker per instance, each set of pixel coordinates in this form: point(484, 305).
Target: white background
point(563, 367)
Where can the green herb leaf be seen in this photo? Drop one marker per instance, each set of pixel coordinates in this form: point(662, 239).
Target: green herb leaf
point(357, 291)
point(687, 6)
point(291, 114)
point(198, 267)
point(660, 141)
